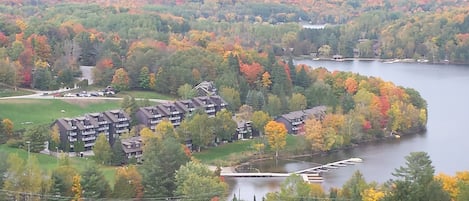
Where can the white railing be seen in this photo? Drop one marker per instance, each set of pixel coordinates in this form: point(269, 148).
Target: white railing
point(88, 132)
point(122, 125)
point(73, 133)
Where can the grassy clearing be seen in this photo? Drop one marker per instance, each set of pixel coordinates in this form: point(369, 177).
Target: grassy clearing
point(44, 111)
point(144, 94)
point(225, 151)
point(243, 150)
point(47, 163)
point(7, 92)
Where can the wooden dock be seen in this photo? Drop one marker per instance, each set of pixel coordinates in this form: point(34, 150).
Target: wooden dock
point(310, 178)
point(330, 166)
point(310, 175)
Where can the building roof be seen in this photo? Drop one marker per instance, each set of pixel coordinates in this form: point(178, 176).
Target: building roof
point(206, 88)
point(302, 114)
point(135, 143)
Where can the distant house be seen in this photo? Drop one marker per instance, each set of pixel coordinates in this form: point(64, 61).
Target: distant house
point(133, 148)
point(206, 88)
point(243, 130)
point(294, 121)
point(176, 111)
point(87, 128)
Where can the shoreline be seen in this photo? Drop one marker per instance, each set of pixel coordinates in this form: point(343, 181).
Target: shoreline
point(385, 61)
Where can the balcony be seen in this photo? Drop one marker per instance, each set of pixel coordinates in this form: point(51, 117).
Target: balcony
point(296, 122)
point(295, 128)
point(88, 132)
point(72, 139)
point(74, 127)
point(176, 123)
point(121, 131)
point(102, 122)
point(174, 118)
point(89, 126)
point(89, 138)
point(103, 128)
point(210, 105)
point(157, 116)
point(122, 119)
point(73, 134)
point(175, 112)
point(155, 121)
point(89, 144)
point(122, 125)
point(210, 111)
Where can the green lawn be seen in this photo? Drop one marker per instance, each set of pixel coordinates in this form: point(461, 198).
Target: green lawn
point(223, 152)
point(144, 94)
point(26, 112)
point(7, 92)
point(241, 150)
point(48, 163)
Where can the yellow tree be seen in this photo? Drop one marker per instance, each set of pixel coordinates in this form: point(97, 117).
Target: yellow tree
point(165, 129)
point(371, 194)
point(55, 136)
point(128, 183)
point(449, 184)
point(8, 126)
point(120, 80)
point(276, 135)
point(266, 82)
point(314, 133)
point(76, 188)
point(147, 134)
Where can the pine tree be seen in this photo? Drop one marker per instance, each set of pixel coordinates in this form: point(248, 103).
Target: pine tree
point(118, 154)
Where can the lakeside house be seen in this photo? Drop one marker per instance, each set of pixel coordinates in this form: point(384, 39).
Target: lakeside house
point(243, 129)
point(294, 121)
point(87, 128)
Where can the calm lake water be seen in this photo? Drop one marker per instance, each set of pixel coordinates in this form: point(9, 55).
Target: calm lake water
point(446, 89)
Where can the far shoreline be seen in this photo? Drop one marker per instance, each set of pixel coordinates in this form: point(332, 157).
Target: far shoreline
point(387, 61)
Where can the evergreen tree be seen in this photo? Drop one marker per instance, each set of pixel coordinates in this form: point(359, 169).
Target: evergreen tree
point(37, 135)
point(144, 78)
point(292, 69)
point(161, 160)
point(415, 181)
point(118, 154)
point(302, 79)
point(94, 184)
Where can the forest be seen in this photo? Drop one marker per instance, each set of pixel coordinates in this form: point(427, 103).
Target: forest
point(170, 48)
point(247, 48)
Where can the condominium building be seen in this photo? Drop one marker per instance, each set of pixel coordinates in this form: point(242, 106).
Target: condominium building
point(87, 128)
point(176, 111)
point(294, 121)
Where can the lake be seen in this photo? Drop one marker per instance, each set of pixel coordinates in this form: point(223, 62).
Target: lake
point(446, 139)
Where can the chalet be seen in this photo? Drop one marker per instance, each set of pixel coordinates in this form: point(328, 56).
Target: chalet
point(206, 88)
point(243, 129)
point(133, 148)
point(294, 121)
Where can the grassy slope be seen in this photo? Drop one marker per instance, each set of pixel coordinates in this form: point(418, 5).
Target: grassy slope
point(144, 94)
point(46, 111)
point(48, 163)
point(7, 92)
point(227, 151)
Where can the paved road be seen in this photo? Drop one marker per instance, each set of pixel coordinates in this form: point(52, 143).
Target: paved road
point(40, 95)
